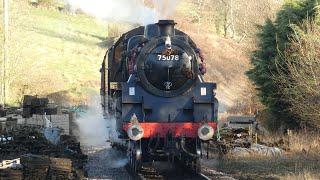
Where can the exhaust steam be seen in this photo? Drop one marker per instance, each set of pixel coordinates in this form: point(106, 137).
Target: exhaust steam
point(126, 11)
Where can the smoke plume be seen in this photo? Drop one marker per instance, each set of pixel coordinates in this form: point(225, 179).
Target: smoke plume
point(127, 11)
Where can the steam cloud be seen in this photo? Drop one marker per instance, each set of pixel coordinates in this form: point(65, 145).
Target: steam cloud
point(92, 125)
point(164, 8)
point(128, 11)
point(94, 131)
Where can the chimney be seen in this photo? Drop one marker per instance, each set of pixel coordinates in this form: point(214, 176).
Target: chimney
point(166, 27)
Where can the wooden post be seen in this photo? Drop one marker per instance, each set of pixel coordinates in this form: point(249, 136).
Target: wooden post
point(256, 138)
point(289, 134)
point(250, 131)
point(5, 48)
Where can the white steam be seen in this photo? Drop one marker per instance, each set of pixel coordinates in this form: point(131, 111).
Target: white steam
point(127, 11)
point(92, 125)
point(164, 8)
point(94, 131)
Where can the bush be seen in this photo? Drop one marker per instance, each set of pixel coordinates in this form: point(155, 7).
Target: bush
point(273, 41)
point(299, 77)
point(53, 4)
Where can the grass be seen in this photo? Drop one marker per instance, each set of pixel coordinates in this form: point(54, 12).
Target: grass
point(53, 52)
point(257, 167)
point(303, 175)
point(302, 161)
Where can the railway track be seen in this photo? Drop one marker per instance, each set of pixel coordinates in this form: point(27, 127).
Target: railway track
point(108, 163)
point(163, 171)
point(105, 163)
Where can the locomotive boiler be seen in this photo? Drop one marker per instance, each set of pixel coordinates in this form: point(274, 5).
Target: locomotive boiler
point(152, 82)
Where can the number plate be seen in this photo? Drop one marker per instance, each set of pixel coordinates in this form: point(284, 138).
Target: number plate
point(168, 58)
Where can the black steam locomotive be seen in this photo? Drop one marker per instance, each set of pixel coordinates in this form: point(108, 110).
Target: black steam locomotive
point(152, 81)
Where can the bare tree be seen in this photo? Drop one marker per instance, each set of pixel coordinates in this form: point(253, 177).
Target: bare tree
point(228, 17)
point(200, 6)
point(232, 18)
point(239, 19)
point(5, 48)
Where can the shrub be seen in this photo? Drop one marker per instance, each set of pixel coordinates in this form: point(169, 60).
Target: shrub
point(273, 41)
point(299, 76)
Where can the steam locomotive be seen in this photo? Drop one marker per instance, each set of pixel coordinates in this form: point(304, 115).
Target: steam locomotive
point(152, 82)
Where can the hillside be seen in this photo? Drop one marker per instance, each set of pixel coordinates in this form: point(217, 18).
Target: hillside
point(227, 62)
point(226, 59)
point(60, 53)
point(53, 53)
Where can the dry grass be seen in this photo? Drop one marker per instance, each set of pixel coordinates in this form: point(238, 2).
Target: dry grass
point(298, 142)
point(308, 143)
point(302, 161)
point(301, 176)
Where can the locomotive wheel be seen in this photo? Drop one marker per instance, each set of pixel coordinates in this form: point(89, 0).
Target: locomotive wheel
point(138, 165)
point(135, 164)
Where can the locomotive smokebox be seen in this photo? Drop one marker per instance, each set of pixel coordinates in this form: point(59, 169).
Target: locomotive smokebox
point(166, 27)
